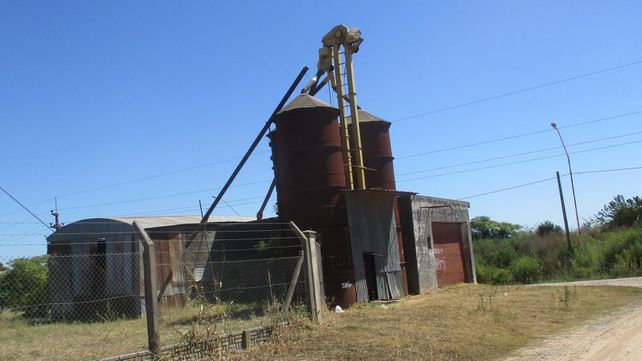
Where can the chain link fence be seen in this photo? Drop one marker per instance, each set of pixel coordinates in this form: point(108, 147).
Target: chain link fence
point(86, 298)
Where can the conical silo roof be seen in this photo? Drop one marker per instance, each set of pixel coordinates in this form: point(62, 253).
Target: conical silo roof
point(307, 101)
point(365, 117)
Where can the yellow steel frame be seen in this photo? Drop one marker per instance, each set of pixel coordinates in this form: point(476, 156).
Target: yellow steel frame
point(337, 81)
point(330, 61)
point(354, 117)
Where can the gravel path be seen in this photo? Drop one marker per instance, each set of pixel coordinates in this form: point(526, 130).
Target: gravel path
point(615, 336)
point(623, 282)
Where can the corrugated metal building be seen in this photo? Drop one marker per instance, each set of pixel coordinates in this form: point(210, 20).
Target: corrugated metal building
point(96, 264)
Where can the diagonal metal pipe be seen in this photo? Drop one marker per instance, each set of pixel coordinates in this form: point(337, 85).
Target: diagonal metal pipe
point(254, 144)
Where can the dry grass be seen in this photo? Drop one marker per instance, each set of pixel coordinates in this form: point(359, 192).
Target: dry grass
point(20, 340)
point(76, 341)
point(461, 322)
point(469, 322)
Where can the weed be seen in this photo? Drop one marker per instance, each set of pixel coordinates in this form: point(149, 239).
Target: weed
point(567, 296)
point(486, 299)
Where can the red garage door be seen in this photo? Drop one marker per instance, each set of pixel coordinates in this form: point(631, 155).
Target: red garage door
point(448, 253)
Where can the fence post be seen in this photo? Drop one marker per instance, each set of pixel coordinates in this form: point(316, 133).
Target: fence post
point(314, 301)
point(247, 339)
point(293, 282)
point(151, 302)
point(315, 274)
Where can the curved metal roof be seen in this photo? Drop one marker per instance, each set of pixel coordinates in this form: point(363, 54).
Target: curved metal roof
point(81, 228)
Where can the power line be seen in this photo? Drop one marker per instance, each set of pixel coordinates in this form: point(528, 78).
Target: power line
point(496, 140)
point(519, 154)
point(17, 222)
point(402, 157)
point(228, 206)
point(548, 179)
point(26, 209)
point(235, 202)
point(403, 180)
point(514, 92)
point(607, 170)
point(398, 158)
point(160, 196)
point(398, 120)
point(508, 188)
point(182, 170)
point(517, 162)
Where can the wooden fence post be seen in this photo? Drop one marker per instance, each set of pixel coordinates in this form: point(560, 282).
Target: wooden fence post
point(151, 301)
point(247, 339)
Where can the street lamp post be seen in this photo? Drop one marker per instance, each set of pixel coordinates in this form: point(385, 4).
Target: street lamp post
point(570, 172)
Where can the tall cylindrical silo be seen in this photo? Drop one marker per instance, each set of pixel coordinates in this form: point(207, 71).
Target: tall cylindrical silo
point(310, 175)
point(380, 172)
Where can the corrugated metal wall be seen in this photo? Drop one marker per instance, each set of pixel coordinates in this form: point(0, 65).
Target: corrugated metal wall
point(373, 232)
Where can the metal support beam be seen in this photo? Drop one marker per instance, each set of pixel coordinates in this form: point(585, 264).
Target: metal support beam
point(313, 82)
point(254, 144)
point(259, 214)
point(319, 86)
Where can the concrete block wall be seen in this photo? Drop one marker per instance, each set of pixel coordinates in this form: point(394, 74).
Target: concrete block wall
point(417, 215)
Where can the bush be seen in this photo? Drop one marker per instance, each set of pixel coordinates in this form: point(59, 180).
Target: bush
point(588, 258)
point(24, 286)
point(541, 254)
point(496, 252)
point(484, 227)
point(623, 252)
point(493, 275)
point(546, 228)
point(621, 212)
point(526, 269)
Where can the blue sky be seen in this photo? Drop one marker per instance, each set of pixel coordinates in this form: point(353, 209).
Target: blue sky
point(99, 101)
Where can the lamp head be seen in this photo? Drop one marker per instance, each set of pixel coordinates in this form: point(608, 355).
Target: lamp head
point(554, 125)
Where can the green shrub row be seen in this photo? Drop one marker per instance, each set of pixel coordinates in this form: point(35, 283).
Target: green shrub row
point(527, 257)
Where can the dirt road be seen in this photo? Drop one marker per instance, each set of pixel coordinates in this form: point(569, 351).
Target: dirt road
point(614, 336)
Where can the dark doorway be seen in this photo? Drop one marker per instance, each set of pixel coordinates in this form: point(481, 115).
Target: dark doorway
point(371, 276)
point(98, 267)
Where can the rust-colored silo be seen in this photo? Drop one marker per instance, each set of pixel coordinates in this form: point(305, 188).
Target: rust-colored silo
point(310, 175)
point(380, 173)
point(377, 151)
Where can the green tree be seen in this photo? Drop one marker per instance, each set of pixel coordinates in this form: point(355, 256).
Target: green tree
point(24, 286)
point(2, 267)
point(621, 212)
point(547, 227)
point(483, 227)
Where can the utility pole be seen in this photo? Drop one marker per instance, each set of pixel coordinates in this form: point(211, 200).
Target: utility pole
point(569, 245)
point(57, 225)
point(570, 172)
